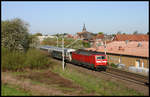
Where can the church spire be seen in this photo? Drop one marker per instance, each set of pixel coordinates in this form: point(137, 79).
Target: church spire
point(84, 29)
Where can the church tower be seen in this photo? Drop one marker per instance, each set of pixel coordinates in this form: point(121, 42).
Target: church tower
point(84, 29)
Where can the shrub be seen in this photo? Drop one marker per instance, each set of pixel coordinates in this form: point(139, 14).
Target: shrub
point(86, 44)
point(36, 59)
point(16, 60)
point(113, 65)
point(12, 60)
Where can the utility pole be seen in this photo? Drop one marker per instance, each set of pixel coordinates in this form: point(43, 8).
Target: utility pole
point(105, 47)
point(63, 53)
point(105, 44)
point(57, 40)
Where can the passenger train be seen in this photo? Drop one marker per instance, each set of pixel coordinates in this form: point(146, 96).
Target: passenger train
point(91, 59)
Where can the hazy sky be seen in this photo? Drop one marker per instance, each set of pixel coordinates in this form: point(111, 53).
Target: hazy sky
point(68, 17)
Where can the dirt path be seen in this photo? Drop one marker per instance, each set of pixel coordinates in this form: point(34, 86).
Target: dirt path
point(49, 81)
point(27, 85)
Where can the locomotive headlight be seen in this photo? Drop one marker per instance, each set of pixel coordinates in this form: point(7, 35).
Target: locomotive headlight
point(104, 61)
point(101, 61)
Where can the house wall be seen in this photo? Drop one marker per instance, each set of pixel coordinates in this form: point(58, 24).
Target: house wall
point(128, 60)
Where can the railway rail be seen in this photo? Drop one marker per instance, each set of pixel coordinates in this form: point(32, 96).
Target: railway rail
point(124, 78)
point(141, 79)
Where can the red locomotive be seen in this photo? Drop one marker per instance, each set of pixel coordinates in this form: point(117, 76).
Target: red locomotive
point(91, 59)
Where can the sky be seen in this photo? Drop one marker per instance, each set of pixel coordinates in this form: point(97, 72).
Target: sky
point(51, 17)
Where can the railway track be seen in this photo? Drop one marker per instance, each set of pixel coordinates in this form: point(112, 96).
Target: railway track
point(124, 75)
point(124, 78)
point(140, 79)
point(129, 83)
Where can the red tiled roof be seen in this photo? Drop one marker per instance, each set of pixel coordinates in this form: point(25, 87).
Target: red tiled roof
point(69, 36)
point(138, 37)
point(82, 32)
point(131, 48)
point(79, 32)
point(100, 36)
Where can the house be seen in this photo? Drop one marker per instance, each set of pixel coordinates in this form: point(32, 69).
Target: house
point(69, 36)
point(130, 53)
point(100, 40)
point(131, 37)
point(99, 36)
point(131, 50)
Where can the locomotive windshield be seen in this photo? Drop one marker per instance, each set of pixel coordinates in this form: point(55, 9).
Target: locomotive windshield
point(100, 57)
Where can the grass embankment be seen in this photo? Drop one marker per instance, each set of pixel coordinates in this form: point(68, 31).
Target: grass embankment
point(94, 84)
point(9, 90)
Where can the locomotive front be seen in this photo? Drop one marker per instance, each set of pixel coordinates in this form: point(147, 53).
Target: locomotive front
point(100, 62)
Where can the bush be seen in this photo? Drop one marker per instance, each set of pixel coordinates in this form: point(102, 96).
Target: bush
point(36, 59)
point(113, 65)
point(12, 59)
point(86, 44)
point(16, 60)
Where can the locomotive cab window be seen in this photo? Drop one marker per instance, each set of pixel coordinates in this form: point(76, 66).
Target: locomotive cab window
point(100, 57)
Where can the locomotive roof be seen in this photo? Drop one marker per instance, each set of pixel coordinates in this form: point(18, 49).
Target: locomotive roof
point(85, 52)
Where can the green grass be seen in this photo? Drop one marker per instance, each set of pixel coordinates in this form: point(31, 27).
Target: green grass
point(95, 85)
point(8, 90)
